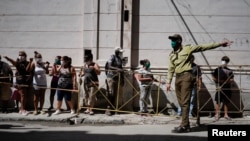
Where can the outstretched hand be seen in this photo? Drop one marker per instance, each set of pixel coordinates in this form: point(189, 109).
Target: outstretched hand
point(226, 43)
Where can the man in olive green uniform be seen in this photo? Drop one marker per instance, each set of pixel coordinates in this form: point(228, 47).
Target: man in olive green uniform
point(179, 63)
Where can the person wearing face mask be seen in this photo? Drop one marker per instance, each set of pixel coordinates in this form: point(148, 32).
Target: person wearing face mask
point(223, 77)
point(23, 79)
point(145, 80)
point(66, 83)
point(39, 69)
point(54, 80)
point(90, 71)
point(115, 79)
point(180, 64)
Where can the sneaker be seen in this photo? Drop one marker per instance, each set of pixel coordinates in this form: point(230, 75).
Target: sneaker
point(91, 113)
point(42, 112)
point(57, 112)
point(142, 111)
point(107, 112)
point(86, 111)
point(35, 113)
point(181, 129)
point(72, 112)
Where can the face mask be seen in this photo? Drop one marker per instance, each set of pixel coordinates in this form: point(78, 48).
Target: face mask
point(223, 62)
point(21, 58)
point(174, 44)
point(57, 62)
point(147, 65)
point(39, 60)
point(120, 54)
point(62, 62)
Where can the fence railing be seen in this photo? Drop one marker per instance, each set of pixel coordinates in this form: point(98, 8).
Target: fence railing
point(163, 102)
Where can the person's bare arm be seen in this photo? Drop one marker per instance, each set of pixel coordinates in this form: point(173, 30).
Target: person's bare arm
point(139, 77)
point(97, 69)
point(31, 66)
point(73, 71)
point(10, 60)
point(199, 82)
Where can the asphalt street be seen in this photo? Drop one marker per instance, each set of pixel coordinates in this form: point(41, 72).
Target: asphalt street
point(40, 132)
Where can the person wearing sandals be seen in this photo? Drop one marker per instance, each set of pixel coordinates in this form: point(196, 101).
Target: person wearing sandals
point(23, 79)
point(223, 77)
point(40, 69)
point(90, 71)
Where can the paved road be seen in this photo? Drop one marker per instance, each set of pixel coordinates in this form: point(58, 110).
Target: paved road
point(41, 131)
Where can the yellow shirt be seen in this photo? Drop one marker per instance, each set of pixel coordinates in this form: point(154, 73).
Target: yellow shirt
point(179, 60)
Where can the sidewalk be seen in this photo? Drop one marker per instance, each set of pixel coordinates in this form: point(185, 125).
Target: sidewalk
point(119, 119)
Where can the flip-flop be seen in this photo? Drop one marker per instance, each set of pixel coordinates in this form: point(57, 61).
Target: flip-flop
point(227, 118)
point(216, 117)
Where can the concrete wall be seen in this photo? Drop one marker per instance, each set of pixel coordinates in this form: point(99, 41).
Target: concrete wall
point(208, 21)
point(52, 27)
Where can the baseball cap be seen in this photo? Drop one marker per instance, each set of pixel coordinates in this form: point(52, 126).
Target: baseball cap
point(118, 49)
point(175, 36)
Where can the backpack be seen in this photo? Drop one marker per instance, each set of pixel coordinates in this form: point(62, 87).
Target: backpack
point(107, 64)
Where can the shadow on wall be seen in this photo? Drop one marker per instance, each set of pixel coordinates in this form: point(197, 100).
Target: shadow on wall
point(206, 102)
point(236, 105)
point(166, 103)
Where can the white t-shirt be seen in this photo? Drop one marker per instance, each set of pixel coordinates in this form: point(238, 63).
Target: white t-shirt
point(39, 77)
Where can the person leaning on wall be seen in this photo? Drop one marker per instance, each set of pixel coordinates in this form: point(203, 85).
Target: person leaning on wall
point(115, 79)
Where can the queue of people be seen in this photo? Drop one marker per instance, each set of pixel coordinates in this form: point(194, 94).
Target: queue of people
point(33, 73)
point(31, 76)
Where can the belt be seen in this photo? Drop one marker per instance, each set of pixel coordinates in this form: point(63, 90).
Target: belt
point(182, 73)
